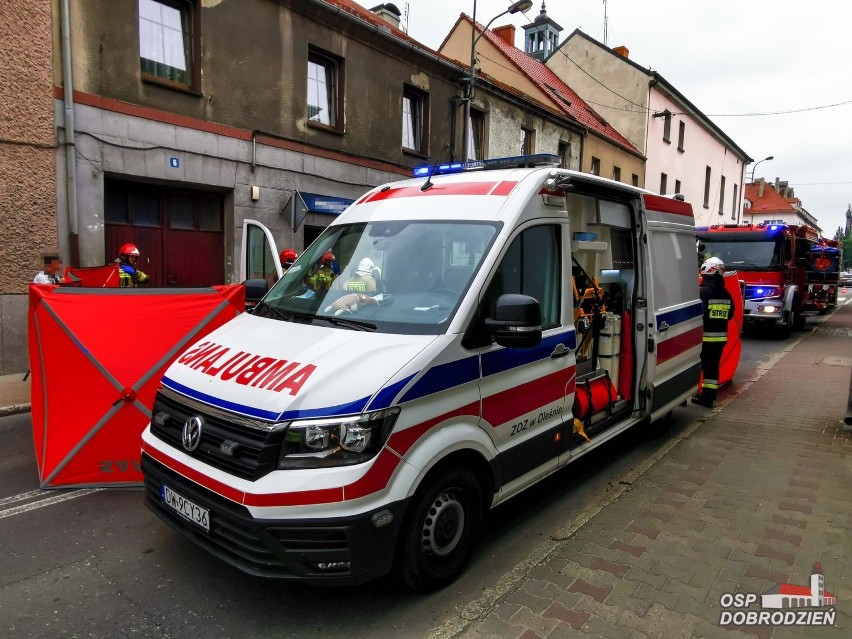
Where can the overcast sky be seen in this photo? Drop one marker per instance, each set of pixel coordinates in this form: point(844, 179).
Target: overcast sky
point(729, 58)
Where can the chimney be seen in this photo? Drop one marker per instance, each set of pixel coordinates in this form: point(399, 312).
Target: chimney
point(623, 51)
point(507, 32)
point(761, 184)
point(389, 13)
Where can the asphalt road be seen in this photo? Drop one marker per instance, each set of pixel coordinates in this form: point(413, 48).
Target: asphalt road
point(99, 564)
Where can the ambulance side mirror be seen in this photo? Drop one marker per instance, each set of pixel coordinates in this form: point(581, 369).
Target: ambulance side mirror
point(255, 290)
point(516, 322)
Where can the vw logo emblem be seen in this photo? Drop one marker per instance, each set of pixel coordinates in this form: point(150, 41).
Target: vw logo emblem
point(191, 435)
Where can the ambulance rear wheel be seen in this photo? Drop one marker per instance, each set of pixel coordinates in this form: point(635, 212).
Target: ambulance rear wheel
point(439, 531)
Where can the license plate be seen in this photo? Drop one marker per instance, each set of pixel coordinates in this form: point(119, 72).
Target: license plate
point(185, 508)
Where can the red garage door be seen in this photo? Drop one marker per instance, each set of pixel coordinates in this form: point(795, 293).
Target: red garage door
point(179, 232)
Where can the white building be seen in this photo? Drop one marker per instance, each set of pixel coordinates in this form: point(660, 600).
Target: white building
point(793, 596)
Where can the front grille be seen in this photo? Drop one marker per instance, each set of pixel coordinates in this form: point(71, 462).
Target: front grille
point(269, 548)
point(230, 537)
point(257, 449)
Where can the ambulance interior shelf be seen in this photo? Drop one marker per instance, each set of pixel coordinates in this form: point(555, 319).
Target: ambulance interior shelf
point(599, 307)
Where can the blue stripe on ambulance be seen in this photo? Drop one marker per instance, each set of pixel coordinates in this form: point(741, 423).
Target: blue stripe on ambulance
point(508, 358)
point(384, 398)
point(680, 315)
point(443, 376)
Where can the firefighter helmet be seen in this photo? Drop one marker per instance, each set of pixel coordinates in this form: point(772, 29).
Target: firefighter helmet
point(128, 250)
point(288, 256)
point(713, 265)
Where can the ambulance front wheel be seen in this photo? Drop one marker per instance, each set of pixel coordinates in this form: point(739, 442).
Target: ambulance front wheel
point(438, 534)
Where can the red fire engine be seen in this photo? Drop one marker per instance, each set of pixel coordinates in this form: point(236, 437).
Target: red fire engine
point(789, 271)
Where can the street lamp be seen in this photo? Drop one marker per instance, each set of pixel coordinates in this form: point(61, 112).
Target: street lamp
point(521, 6)
point(771, 157)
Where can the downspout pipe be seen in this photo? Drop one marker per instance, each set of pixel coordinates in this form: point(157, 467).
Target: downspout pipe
point(70, 134)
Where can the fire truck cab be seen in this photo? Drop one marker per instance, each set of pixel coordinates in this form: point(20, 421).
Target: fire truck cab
point(788, 270)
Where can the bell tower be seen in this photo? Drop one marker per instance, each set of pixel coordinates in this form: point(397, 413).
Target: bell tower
point(542, 36)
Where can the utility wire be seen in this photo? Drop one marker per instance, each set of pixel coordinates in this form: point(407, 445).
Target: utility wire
point(643, 108)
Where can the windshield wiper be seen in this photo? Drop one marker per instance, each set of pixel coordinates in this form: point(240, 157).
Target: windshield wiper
point(349, 323)
point(289, 316)
point(748, 266)
point(278, 314)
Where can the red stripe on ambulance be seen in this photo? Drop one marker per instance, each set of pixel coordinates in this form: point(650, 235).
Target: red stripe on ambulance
point(679, 343)
point(666, 205)
point(519, 400)
point(458, 188)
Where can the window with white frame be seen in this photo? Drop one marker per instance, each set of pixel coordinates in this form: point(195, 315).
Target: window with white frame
point(166, 40)
point(413, 119)
point(734, 206)
point(323, 81)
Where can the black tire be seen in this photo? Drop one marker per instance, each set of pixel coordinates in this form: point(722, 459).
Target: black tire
point(439, 531)
point(799, 322)
point(782, 331)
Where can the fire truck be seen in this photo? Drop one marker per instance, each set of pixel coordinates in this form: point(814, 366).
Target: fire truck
point(789, 271)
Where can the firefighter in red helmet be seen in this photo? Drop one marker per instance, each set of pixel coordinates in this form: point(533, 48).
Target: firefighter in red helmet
point(288, 256)
point(129, 274)
point(322, 275)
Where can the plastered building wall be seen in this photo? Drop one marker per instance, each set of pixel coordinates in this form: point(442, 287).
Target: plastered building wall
point(27, 166)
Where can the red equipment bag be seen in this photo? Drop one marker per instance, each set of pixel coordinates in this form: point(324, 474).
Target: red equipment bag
point(593, 396)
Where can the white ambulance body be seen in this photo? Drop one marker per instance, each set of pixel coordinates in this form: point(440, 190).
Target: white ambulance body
point(516, 319)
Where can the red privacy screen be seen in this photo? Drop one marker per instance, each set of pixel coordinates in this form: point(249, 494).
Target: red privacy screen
point(97, 356)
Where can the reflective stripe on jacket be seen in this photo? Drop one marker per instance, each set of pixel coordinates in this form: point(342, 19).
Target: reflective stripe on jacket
point(718, 309)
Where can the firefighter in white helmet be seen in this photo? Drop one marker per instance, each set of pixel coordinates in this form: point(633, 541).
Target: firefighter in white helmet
point(718, 311)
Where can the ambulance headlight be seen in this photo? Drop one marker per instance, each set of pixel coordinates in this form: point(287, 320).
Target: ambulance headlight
point(339, 441)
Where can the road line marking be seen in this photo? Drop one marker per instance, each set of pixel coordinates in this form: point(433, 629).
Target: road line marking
point(50, 501)
point(21, 497)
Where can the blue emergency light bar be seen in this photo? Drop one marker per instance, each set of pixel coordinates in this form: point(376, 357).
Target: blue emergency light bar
point(515, 162)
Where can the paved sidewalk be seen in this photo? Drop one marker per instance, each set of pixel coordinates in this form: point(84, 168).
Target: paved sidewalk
point(748, 500)
point(14, 394)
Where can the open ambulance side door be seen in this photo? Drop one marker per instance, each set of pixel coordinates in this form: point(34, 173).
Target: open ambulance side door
point(259, 258)
point(674, 322)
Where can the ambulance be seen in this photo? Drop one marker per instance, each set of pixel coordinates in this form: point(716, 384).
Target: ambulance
point(446, 343)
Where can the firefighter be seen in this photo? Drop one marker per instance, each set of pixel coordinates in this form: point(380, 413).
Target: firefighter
point(288, 256)
point(322, 276)
point(718, 311)
point(363, 279)
point(129, 275)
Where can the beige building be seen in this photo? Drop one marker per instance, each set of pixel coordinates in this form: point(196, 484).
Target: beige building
point(685, 151)
point(602, 149)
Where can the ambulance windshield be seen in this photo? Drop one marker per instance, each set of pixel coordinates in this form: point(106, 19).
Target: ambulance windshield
point(393, 277)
